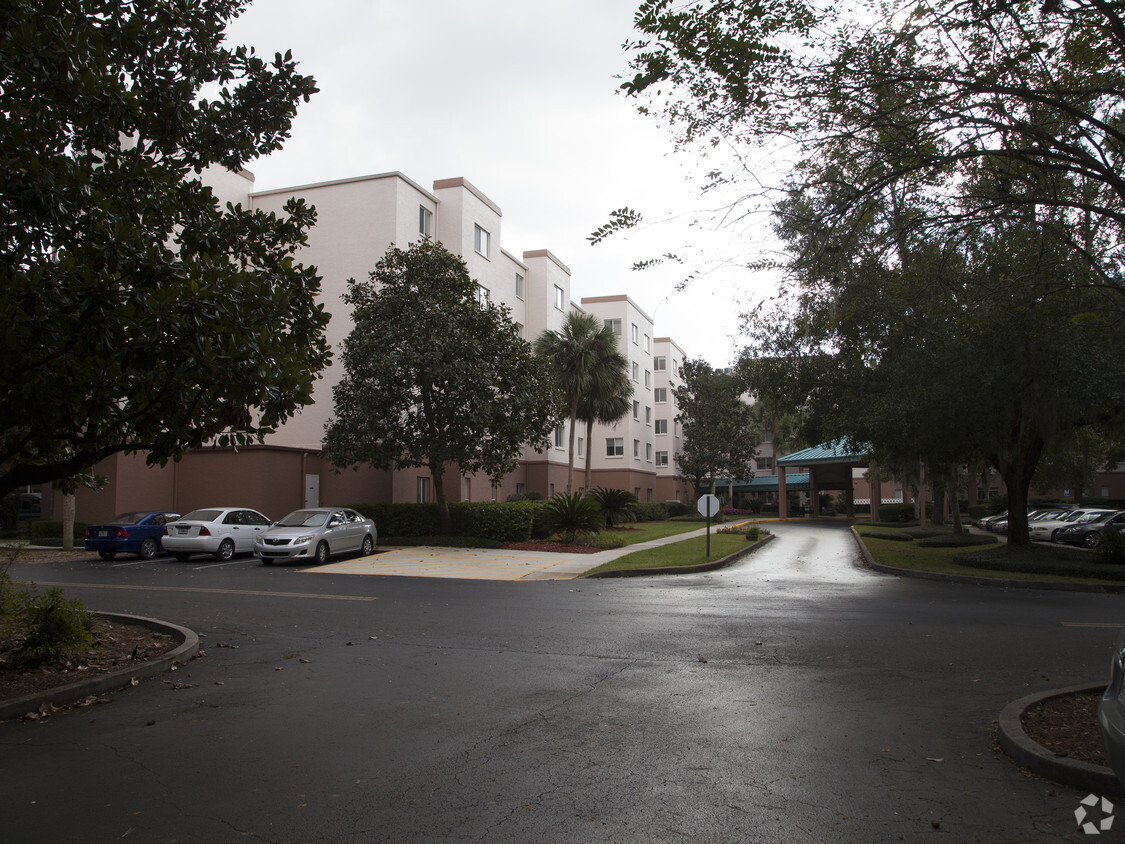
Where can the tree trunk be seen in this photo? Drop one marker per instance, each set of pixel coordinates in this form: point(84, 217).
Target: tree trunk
point(1017, 472)
point(589, 447)
point(68, 522)
point(438, 472)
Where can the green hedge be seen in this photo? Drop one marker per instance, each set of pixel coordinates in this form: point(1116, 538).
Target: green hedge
point(52, 529)
point(892, 535)
point(1075, 564)
point(513, 521)
point(651, 511)
point(896, 512)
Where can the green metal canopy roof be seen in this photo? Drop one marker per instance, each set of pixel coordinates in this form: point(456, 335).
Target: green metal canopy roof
point(837, 451)
point(797, 482)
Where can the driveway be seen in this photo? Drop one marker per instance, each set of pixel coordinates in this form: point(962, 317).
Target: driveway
point(795, 696)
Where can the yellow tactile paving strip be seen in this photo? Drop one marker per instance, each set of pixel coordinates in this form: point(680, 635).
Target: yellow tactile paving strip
point(461, 563)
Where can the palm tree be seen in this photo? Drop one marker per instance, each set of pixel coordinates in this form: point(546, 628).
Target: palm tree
point(583, 356)
point(607, 403)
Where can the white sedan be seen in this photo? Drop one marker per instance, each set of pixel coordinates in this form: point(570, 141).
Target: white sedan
point(316, 534)
point(1045, 530)
point(220, 531)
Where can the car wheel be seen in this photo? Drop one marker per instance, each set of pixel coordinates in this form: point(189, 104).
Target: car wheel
point(149, 549)
point(322, 553)
point(1092, 540)
point(107, 555)
point(226, 550)
point(181, 556)
point(368, 546)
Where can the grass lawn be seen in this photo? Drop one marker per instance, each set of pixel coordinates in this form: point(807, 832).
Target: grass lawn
point(690, 552)
point(636, 532)
point(1038, 562)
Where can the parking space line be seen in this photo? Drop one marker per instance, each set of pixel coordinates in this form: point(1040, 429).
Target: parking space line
point(217, 565)
point(1108, 624)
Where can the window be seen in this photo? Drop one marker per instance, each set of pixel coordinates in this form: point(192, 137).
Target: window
point(558, 437)
point(637, 492)
point(648, 415)
point(765, 463)
point(580, 446)
point(614, 447)
point(636, 448)
point(647, 348)
point(636, 410)
point(633, 332)
point(648, 378)
point(519, 489)
point(559, 301)
point(482, 296)
point(636, 371)
point(676, 427)
point(661, 458)
point(517, 328)
point(767, 435)
point(495, 492)
point(519, 286)
point(648, 452)
point(660, 395)
point(466, 486)
point(425, 221)
point(662, 426)
point(660, 363)
point(613, 325)
point(480, 240)
point(423, 490)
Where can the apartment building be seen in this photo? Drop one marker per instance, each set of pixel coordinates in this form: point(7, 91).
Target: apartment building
point(357, 220)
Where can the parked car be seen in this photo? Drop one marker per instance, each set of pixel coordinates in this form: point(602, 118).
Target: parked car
point(988, 521)
point(1046, 529)
point(1092, 533)
point(1111, 712)
point(316, 533)
point(220, 531)
point(137, 533)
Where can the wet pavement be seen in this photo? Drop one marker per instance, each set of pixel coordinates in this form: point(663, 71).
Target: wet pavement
point(795, 696)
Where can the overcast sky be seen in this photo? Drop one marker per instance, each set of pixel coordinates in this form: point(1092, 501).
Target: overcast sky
point(520, 98)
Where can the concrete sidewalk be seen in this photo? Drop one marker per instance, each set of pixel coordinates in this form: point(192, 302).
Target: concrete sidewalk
point(487, 563)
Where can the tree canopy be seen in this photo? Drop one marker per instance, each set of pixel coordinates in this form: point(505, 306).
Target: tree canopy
point(434, 376)
point(719, 427)
point(139, 314)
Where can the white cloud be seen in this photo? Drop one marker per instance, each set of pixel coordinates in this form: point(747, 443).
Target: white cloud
point(520, 98)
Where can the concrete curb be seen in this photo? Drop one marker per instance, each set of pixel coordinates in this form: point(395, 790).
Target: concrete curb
point(1038, 759)
point(982, 581)
point(63, 695)
point(717, 564)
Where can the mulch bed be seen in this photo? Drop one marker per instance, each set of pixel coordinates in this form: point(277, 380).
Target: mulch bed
point(115, 646)
point(1068, 726)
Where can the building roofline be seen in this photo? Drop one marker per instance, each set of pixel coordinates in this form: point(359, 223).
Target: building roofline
point(618, 298)
point(394, 174)
point(546, 253)
point(462, 182)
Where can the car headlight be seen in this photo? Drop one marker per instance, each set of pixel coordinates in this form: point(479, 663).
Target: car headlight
point(308, 537)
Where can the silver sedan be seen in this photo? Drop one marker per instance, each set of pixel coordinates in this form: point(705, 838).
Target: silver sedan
point(316, 534)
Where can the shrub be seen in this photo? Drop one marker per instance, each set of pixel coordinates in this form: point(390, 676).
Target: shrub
point(526, 496)
point(604, 541)
point(892, 535)
point(651, 511)
point(571, 513)
point(52, 625)
point(896, 512)
point(675, 508)
point(618, 505)
point(752, 532)
point(1112, 549)
point(52, 529)
point(957, 540)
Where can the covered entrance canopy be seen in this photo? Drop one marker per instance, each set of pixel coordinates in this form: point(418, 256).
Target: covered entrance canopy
point(829, 467)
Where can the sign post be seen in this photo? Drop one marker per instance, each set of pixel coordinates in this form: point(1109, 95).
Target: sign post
point(708, 506)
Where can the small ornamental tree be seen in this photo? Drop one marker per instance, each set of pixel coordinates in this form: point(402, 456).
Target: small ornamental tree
point(139, 313)
point(435, 376)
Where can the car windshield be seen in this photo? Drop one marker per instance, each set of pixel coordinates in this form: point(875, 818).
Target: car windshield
point(1094, 517)
point(304, 518)
point(127, 519)
point(202, 516)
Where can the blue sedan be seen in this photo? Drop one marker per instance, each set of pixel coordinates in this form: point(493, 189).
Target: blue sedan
point(130, 533)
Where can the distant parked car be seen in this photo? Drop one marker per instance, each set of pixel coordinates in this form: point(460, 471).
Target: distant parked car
point(1092, 533)
point(220, 531)
point(1111, 712)
point(130, 533)
point(1046, 529)
point(988, 521)
point(316, 534)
